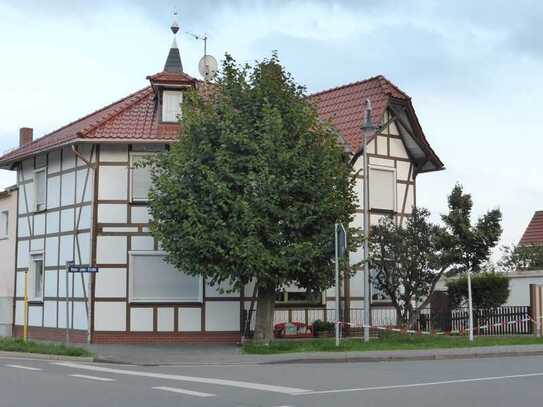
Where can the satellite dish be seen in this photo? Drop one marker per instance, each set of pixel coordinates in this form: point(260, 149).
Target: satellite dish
point(207, 67)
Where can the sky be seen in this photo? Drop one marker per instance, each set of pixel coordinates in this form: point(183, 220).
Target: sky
point(472, 68)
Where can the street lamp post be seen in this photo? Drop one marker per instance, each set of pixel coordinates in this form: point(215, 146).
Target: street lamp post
point(470, 307)
point(367, 129)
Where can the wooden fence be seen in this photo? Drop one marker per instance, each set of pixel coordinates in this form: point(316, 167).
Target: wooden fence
point(501, 321)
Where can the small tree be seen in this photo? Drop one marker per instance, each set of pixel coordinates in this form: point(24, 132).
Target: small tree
point(253, 187)
point(409, 261)
point(406, 262)
point(489, 290)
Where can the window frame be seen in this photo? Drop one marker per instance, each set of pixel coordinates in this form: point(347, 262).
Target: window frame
point(394, 189)
point(4, 224)
point(285, 302)
point(32, 297)
point(152, 300)
point(134, 154)
point(162, 105)
point(35, 186)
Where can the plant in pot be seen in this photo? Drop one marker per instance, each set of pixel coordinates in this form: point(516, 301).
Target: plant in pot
point(323, 328)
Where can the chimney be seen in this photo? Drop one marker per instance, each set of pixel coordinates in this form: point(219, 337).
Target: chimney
point(25, 135)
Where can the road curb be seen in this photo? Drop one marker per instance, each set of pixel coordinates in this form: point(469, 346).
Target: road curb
point(404, 358)
point(42, 356)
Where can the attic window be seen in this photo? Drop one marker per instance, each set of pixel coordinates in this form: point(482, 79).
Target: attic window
point(171, 105)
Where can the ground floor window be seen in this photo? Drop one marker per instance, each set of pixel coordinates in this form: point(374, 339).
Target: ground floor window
point(152, 279)
point(35, 278)
point(299, 296)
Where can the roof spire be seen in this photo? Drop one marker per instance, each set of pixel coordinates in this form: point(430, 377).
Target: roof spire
point(173, 62)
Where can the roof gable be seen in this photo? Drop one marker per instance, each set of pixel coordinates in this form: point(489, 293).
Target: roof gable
point(533, 235)
point(344, 108)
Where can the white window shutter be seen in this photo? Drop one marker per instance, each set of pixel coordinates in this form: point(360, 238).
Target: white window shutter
point(171, 105)
point(382, 184)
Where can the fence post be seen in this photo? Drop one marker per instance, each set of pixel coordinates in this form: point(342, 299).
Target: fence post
point(536, 303)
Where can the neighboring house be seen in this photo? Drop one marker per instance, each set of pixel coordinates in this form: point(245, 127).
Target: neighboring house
point(8, 225)
point(533, 235)
point(520, 280)
point(82, 198)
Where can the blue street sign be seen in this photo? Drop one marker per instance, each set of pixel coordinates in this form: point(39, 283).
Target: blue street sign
point(72, 268)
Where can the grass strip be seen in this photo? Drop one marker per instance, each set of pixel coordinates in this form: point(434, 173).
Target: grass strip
point(18, 345)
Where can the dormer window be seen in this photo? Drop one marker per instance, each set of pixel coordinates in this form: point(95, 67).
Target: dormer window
point(171, 105)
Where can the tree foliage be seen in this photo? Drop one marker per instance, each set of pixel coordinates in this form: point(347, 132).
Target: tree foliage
point(406, 262)
point(409, 260)
point(489, 290)
point(521, 258)
point(253, 187)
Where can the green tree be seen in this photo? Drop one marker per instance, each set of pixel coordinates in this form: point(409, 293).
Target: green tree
point(253, 187)
point(409, 260)
point(406, 263)
point(469, 246)
point(521, 258)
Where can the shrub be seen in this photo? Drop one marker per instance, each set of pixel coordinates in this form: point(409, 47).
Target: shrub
point(489, 290)
point(323, 326)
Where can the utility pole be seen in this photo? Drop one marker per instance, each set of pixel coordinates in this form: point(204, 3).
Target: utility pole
point(367, 129)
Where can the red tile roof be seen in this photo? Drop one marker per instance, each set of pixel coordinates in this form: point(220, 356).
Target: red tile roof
point(135, 117)
point(533, 235)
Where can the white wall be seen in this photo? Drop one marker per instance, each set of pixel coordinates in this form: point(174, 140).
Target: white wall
point(7, 263)
point(519, 285)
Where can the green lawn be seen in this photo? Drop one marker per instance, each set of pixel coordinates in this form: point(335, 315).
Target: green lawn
point(18, 345)
point(388, 342)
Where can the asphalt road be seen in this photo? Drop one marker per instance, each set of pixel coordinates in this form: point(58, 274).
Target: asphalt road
point(475, 382)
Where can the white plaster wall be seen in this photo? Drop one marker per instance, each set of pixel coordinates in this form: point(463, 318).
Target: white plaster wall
point(111, 282)
point(85, 219)
point(35, 315)
point(222, 316)
point(112, 182)
point(143, 243)
point(68, 158)
point(67, 194)
point(111, 249)
point(66, 249)
point(51, 251)
point(83, 256)
point(112, 213)
point(84, 185)
point(67, 220)
point(53, 222)
point(165, 319)
point(53, 192)
point(215, 291)
point(141, 319)
point(382, 145)
point(54, 162)
point(520, 287)
point(113, 153)
point(140, 214)
point(50, 283)
point(110, 316)
point(50, 314)
point(190, 319)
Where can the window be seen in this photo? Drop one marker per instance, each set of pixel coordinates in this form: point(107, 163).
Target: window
point(4, 219)
point(171, 105)
point(140, 182)
point(35, 279)
point(154, 280)
point(294, 295)
point(39, 190)
point(382, 188)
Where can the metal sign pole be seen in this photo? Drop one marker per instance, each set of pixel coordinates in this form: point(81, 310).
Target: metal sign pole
point(67, 332)
point(25, 327)
point(337, 281)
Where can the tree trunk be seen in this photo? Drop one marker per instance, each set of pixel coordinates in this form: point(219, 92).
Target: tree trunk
point(264, 315)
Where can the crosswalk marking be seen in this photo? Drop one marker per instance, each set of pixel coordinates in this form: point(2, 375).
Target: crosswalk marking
point(183, 391)
point(100, 379)
point(24, 367)
point(222, 382)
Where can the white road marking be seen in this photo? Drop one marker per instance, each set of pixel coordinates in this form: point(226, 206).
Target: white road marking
point(100, 379)
point(222, 382)
point(24, 367)
point(404, 386)
point(183, 391)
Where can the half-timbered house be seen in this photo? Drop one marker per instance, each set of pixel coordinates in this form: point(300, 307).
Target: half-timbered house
point(83, 199)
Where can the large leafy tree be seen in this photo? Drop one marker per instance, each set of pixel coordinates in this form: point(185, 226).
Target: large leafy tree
point(253, 187)
point(409, 260)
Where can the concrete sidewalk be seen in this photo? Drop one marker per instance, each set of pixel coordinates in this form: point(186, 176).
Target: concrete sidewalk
point(210, 354)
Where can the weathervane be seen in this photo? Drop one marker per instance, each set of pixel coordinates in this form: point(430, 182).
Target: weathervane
point(207, 66)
